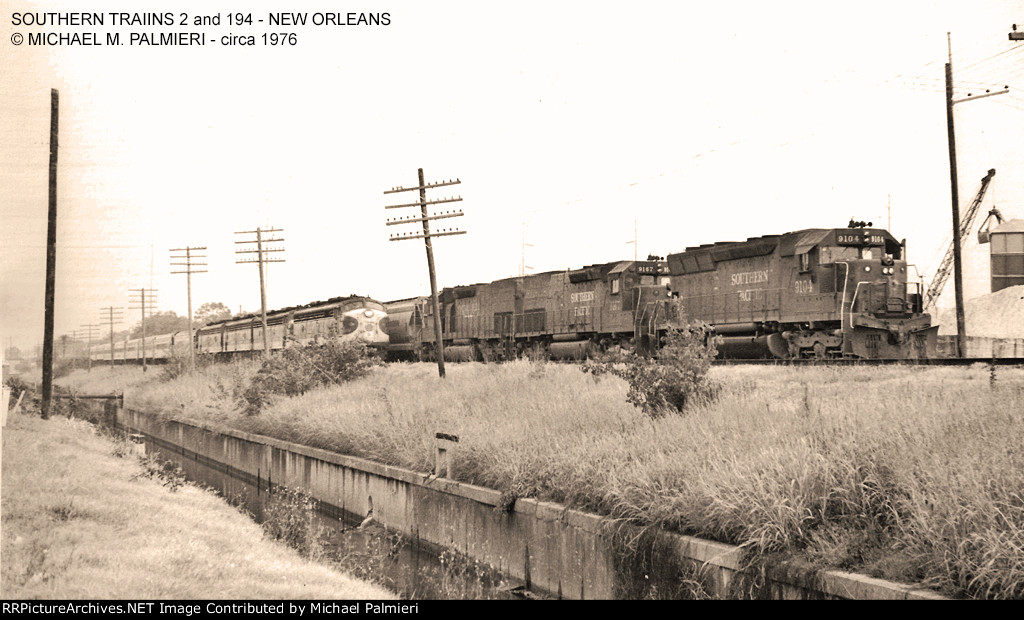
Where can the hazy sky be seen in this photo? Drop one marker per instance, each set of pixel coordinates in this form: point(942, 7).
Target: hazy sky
point(565, 121)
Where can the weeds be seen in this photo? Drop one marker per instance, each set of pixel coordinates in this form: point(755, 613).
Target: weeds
point(169, 474)
point(460, 578)
point(290, 517)
point(297, 370)
point(904, 472)
point(673, 380)
point(17, 385)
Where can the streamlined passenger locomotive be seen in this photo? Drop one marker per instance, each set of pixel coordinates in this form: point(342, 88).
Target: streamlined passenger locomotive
point(347, 319)
point(819, 293)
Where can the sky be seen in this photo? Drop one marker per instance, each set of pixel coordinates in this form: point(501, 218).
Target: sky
point(569, 124)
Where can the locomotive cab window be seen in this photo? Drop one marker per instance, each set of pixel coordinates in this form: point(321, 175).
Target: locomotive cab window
point(805, 262)
point(615, 286)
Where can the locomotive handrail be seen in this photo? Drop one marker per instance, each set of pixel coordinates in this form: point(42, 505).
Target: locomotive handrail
point(853, 302)
point(842, 304)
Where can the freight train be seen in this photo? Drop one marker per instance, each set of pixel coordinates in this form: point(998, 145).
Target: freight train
point(823, 293)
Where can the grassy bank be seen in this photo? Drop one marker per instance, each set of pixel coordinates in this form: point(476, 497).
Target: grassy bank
point(82, 521)
point(908, 473)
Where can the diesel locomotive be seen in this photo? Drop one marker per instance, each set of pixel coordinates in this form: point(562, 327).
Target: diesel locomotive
point(354, 318)
point(558, 314)
point(822, 293)
point(813, 293)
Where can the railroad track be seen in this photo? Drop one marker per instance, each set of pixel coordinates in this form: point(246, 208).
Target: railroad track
point(940, 361)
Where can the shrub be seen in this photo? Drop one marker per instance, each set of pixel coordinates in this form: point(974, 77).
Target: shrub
point(290, 517)
point(17, 385)
point(671, 380)
point(297, 370)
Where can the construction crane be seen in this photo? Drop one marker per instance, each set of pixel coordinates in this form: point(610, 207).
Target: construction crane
point(946, 267)
point(985, 232)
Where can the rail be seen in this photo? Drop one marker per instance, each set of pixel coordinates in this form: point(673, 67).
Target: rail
point(936, 361)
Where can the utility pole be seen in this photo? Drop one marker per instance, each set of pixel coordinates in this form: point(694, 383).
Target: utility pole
point(259, 251)
point(74, 347)
point(427, 236)
point(145, 302)
point(110, 310)
point(51, 262)
point(961, 328)
point(188, 264)
point(88, 347)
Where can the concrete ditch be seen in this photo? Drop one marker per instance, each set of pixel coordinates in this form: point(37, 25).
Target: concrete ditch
point(551, 549)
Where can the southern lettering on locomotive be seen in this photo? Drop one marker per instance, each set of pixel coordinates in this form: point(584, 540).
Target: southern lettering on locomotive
point(810, 293)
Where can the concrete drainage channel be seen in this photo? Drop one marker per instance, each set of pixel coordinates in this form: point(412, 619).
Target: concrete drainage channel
point(534, 549)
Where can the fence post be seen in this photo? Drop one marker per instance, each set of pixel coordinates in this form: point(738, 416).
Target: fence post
point(443, 445)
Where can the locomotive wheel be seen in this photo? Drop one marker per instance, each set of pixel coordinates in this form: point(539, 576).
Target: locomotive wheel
point(819, 350)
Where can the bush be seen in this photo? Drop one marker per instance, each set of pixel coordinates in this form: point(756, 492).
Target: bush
point(297, 370)
point(17, 385)
point(673, 379)
point(290, 517)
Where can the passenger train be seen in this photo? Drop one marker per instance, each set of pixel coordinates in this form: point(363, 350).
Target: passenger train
point(813, 293)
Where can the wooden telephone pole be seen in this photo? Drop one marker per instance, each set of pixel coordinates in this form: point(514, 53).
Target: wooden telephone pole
point(51, 263)
point(427, 236)
point(88, 347)
point(259, 251)
point(188, 264)
point(958, 284)
point(111, 310)
point(145, 302)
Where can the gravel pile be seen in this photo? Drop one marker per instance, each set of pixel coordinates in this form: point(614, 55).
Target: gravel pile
point(996, 315)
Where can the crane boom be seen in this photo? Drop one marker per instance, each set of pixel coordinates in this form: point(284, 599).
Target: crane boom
point(946, 266)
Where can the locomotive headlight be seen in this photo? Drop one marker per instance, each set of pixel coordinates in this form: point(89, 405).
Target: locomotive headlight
point(867, 268)
point(368, 314)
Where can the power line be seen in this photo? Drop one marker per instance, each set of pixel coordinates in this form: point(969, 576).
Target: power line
point(188, 271)
point(111, 311)
point(88, 348)
point(425, 219)
point(139, 296)
point(259, 260)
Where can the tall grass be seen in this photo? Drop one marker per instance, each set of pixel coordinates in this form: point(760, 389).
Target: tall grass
point(80, 523)
point(909, 473)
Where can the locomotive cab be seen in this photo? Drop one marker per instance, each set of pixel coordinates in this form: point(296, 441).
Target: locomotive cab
point(819, 292)
point(880, 310)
